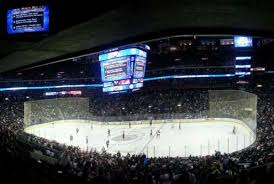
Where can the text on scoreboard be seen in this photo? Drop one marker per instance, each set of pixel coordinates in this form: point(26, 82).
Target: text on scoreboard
point(28, 19)
point(122, 70)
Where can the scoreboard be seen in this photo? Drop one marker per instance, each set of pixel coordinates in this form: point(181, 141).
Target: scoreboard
point(28, 19)
point(123, 70)
point(115, 69)
point(140, 65)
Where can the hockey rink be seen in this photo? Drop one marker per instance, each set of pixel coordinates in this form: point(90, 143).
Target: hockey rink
point(177, 137)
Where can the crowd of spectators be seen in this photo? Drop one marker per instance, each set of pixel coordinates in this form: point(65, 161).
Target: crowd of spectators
point(101, 167)
point(49, 110)
point(152, 102)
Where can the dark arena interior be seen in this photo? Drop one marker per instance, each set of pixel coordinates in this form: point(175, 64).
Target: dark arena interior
point(127, 92)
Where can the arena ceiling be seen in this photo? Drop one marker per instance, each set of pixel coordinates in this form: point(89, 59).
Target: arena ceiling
point(140, 21)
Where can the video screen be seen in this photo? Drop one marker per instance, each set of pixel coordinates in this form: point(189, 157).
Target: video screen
point(28, 19)
point(55, 93)
point(242, 41)
point(122, 70)
point(115, 69)
point(140, 65)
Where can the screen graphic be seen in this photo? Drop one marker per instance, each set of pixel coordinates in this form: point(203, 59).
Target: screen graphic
point(28, 19)
point(123, 70)
point(242, 41)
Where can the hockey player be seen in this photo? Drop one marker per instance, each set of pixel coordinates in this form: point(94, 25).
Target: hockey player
point(123, 134)
point(107, 143)
point(234, 130)
point(86, 139)
point(158, 134)
point(108, 132)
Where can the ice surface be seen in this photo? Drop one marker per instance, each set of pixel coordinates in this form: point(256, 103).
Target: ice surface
point(177, 138)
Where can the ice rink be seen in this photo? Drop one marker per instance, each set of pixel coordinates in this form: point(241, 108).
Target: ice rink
point(177, 137)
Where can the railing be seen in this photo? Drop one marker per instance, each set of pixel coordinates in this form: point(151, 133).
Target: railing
point(227, 145)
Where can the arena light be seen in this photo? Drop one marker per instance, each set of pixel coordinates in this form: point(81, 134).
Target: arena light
point(189, 76)
point(14, 88)
point(173, 48)
point(243, 57)
point(243, 73)
point(242, 82)
point(50, 87)
point(50, 93)
point(101, 85)
point(242, 66)
point(75, 92)
point(257, 69)
point(147, 47)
